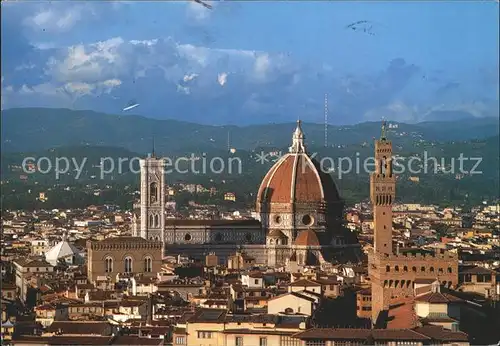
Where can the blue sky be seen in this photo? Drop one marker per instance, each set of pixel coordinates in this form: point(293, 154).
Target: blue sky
point(246, 62)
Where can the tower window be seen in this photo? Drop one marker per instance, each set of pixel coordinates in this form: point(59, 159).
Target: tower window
point(414, 269)
point(431, 269)
point(277, 219)
point(387, 268)
point(153, 192)
point(187, 237)
point(450, 270)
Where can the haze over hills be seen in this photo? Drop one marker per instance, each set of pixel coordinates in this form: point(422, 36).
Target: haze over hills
point(34, 129)
point(87, 137)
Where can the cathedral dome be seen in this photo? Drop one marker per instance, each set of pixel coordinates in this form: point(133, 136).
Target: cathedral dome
point(307, 238)
point(297, 178)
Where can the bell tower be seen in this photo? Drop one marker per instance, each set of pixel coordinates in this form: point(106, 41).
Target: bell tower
point(382, 194)
point(152, 197)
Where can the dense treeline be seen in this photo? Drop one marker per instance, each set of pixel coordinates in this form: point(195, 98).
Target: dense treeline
point(98, 184)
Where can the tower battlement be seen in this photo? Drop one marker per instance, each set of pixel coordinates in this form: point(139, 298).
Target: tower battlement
point(392, 274)
point(134, 244)
point(418, 256)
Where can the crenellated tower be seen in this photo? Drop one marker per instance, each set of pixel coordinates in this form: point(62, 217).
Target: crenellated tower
point(393, 275)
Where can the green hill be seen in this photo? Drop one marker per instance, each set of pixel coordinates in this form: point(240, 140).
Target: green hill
point(30, 129)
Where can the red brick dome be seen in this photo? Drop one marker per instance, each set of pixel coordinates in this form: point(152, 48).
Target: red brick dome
point(297, 178)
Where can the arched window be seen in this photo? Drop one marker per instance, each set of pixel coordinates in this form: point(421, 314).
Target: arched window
point(151, 221)
point(153, 192)
point(148, 265)
point(414, 269)
point(157, 220)
point(422, 269)
point(405, 268)
point(108, 264)
point(396, 268)
point(431, 269)
point(441, 270)
point(128, 264)
point(387, 268)
point(450, 270)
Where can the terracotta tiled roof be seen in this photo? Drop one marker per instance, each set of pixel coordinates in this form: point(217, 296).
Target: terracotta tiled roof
point(80, 328)
point(362, 334)
point(439, 333)
point(304, 283)
point(477, 270)
point(437, 298)
point(307, 238)
point(64, 340)
point(135, 340)
point(213, 223)
point(402, 316)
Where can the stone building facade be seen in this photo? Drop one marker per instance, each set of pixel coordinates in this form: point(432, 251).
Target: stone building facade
point(299, 217)
point(110, 258)
point(393, 275)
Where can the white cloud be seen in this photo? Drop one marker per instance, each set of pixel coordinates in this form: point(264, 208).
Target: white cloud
point(189, 77)
point(183, 89)
point(116, 58)
point(57, 18)
point(93, 63)
point(98, 68)
point(25, 67)
point(222, 78)
point(262, 64)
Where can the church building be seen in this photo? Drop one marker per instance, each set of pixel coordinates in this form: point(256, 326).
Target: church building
point(300, 218)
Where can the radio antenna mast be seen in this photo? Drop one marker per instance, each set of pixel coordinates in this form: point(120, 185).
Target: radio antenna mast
point(326, 120)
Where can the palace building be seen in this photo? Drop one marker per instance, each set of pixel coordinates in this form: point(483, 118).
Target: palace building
point(393, 274)
point(112, 258)
point(299, 221)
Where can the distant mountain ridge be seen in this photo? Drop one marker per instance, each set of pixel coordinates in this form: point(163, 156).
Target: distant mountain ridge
point(34, 129)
